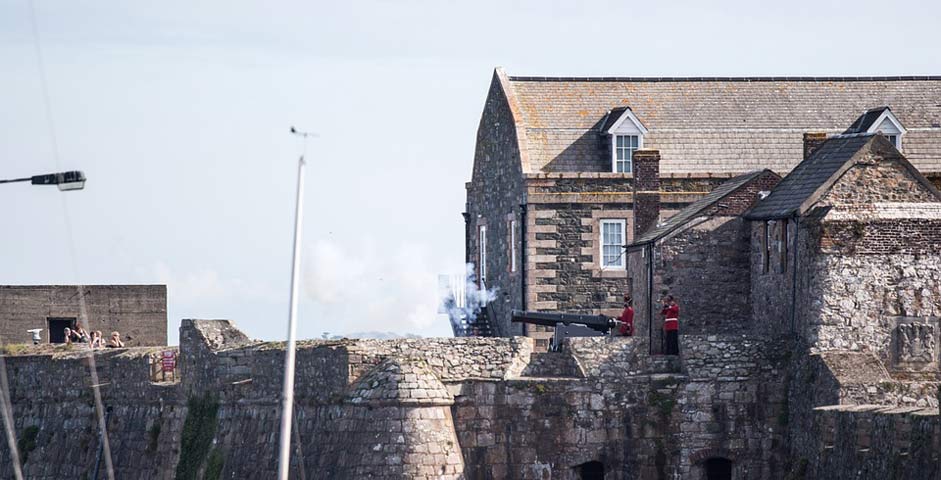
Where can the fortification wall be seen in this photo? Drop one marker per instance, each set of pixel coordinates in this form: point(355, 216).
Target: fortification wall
point(56, 421)
point(870, 441)
point(433, 408)
point(638, 424)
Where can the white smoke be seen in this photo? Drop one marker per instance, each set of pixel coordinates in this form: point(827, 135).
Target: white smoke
point(463, 312)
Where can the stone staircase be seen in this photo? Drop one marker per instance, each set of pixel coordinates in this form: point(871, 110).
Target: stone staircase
point(552, 365)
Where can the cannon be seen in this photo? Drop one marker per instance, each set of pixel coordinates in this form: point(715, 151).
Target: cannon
point(567, 324)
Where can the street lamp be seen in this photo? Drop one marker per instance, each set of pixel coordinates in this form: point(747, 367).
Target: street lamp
point(74, 180)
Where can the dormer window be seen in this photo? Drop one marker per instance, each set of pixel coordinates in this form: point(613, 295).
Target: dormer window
point(880, 120)
point(624, 147)
point(626, 134)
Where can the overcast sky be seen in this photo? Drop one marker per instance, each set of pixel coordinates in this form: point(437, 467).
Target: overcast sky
point(178, 112)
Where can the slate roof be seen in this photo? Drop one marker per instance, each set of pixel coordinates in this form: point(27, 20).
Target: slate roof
point(612, 117)
point(788, 196)
point(718, 125)
point(694, 209)
point(865, 121)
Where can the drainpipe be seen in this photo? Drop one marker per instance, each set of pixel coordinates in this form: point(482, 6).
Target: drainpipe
point(522, 260)
point(648, 251)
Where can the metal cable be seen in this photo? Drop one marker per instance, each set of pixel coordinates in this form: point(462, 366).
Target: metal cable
point(83, 310)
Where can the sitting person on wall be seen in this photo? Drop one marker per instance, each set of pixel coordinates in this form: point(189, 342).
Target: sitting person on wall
point(671, 326)
point(96, 340)
point(115, 341)
point(627, 317)
point(82, 335)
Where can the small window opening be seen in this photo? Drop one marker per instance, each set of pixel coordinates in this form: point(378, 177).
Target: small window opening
point(57, 328)
point(593, 470)
point(718, 468)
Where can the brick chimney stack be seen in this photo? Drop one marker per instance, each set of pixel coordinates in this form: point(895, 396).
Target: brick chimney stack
point(646, 190)
point(813, 141)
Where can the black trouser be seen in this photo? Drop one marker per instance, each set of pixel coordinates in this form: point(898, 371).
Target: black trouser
point(672, 343)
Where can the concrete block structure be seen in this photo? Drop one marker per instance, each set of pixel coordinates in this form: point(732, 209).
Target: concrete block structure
point(138, 312)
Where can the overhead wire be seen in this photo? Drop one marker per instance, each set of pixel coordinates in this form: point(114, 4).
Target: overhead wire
point(5, 403)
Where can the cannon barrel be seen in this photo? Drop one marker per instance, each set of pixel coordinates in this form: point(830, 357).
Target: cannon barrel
point(598, 323)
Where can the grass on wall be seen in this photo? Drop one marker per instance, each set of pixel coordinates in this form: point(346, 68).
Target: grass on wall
point(196, 439)
point(214, 465)
point(27, 442)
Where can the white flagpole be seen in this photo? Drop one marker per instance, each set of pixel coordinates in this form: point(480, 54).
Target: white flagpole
point(287, 396)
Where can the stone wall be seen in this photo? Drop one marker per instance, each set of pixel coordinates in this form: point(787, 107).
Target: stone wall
point(706, 268)
point(384, 408)
point(566, 273)
point(139, 312)
point(872, 441)
point(439, 408)
point(638, 423)
point(772, 294)
point(865, 303)
point(494, 196)
point(53, 405)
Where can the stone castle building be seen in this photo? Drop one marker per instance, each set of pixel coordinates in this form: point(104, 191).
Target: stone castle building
point(825, 364)
point(138, 312)
point(809, 347)
point(559, 186)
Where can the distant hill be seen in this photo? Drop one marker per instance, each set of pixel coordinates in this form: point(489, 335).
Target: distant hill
point(378, 335)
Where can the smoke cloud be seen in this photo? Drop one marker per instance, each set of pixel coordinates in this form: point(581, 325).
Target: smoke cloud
point(463, 312)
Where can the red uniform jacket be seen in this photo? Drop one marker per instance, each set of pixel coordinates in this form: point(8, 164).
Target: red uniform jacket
point(627, 319)
point(672, 314)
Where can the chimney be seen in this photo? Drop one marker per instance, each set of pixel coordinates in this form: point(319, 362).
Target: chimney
point(813, 141)
point(646, 190)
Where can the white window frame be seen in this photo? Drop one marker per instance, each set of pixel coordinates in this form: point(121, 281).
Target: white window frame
point(615, 148)
point(482, 254)
point(512, 246)
point(627, 125)
point(888, 115)
point(622, 260)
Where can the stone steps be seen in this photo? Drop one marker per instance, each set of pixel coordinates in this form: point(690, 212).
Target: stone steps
point(552, 365)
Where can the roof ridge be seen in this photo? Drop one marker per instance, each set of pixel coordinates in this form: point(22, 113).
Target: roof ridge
point(896, 78)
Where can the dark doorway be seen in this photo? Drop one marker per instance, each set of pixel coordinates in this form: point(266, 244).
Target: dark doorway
point(718, 469)
point(591, 471)
point(57, 328)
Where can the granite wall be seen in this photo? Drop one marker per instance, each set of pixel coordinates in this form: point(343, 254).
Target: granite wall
point(433, 408)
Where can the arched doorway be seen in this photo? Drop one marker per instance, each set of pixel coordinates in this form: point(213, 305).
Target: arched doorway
point(717, 468)
point(590, 471)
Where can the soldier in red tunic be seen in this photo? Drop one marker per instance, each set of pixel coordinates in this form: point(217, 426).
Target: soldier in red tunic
point(627, 317)
point(671, 326)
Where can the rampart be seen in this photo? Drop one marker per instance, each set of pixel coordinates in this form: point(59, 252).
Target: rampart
point(450, 408)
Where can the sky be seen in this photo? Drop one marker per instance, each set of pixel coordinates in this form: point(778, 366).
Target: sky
point(178, 113)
